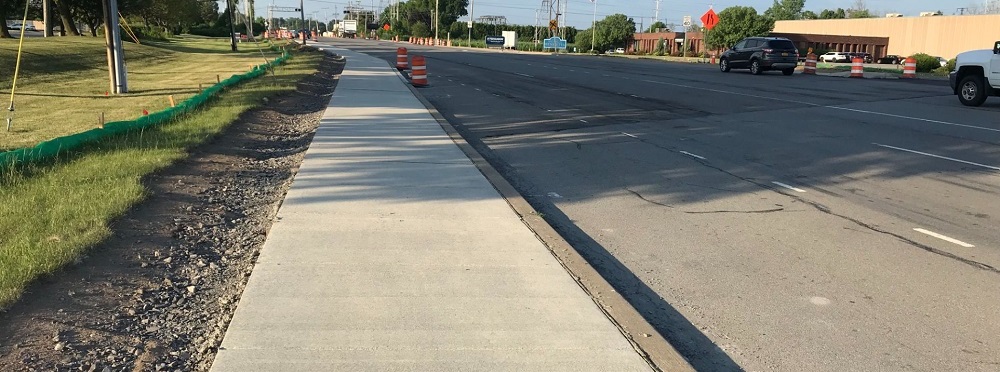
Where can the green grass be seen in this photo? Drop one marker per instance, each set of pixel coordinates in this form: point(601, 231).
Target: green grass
point(62, 85)
point(50, 214)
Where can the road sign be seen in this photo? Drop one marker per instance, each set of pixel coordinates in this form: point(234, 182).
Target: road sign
point(553, 24)
point(687, 21)
point(554, 42)
point(710, 19)
point(470, 24)
point(494, 41)
point(386, 27)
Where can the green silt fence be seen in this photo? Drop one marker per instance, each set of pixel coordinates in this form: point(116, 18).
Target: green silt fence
point(51, 148)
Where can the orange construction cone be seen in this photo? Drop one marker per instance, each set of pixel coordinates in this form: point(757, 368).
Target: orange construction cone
point(857, 68)
point(418, 72)
point(401, 60)
point(910, 68)
point(810, 68)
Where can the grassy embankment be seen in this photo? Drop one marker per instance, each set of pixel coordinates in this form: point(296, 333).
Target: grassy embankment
point(51, 213)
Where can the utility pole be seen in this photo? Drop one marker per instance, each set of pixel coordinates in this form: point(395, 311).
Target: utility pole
point(657, 14)
point(47, 18)
point(472, 11)
point(116, 56)
point(232, 25)
point(302, 13)
point(437, 20)
point(593, 29)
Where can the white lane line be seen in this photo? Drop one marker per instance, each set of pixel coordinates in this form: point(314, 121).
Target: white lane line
point(634, 96)
point(630, 135)
point(796, 189)
point(584, 121)
point(525, 75)
point(912, 118)
point(945, 238)
point(938, 156)
point(606, 75)
point(692, 155)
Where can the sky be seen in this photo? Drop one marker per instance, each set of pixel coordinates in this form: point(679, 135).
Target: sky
point(580, 13)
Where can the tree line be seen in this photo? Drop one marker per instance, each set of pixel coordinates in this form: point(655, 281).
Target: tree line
point(166, 15)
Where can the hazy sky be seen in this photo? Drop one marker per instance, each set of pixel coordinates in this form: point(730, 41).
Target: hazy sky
point(580, 12)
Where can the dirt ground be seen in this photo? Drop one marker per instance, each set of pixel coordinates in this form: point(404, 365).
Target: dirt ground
point(159, 294)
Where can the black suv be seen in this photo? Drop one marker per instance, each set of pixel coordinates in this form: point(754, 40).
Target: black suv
point(761, 54)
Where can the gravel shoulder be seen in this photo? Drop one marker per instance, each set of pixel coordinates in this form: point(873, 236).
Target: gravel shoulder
point(159, 293)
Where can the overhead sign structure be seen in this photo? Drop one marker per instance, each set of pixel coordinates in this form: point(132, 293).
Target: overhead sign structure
point(710, 19)
point(554, 42)
point(494, 41)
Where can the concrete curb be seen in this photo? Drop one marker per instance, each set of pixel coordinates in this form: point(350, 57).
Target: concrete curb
point(657, 351)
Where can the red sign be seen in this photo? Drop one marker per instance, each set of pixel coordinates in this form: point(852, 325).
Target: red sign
point(710, 19)
point(386, 27)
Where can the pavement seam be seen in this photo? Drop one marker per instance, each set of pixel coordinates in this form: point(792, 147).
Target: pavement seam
point(644, 338)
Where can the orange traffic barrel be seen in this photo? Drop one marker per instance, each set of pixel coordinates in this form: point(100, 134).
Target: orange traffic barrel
point(910, 68)
point(810, 68)
point(857, 68)
point(401, 60)
point(418, 72)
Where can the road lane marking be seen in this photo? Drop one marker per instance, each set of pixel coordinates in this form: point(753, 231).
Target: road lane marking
point(584, 121)
point(634, 96)
point(912, 118)
point(692, 155)
point(630, 135)
point(938, 156)
point(525, 75)
point(796, 189)
point(555, 195)
point(945, 238)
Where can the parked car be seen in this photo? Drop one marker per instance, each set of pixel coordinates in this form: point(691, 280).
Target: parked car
point(942, 61)
point(835, 57)
point(973, 79)
point(891, 59)
point(866, 57)
point(761, 54)
point(14, 26)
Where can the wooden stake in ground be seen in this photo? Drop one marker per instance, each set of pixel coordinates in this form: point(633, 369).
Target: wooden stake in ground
point(172, 103)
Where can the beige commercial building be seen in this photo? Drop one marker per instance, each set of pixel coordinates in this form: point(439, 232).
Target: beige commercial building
point(943, 36)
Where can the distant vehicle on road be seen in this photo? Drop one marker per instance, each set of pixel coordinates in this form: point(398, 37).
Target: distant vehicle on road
point(14, 26)
point(761, 54)
point(891, 59)
point(971, 80)
point(835, 57)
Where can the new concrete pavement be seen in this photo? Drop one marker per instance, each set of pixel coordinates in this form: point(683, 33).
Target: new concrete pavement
point(759, 222)
point(392, 252)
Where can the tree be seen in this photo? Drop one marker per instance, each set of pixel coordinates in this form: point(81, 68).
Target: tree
point(8, 8)
point(419, 29)
point(809, 15)
point(785, 10)
point(583, 40)
point(840, 13)
point(656, 26)
point(614, 30)
point(736, 23)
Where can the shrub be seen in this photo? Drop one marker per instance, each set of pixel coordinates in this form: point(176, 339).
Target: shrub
point(951, 64)
point(926, 63)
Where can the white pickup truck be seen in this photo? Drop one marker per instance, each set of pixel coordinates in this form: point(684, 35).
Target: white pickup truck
point(977, 75)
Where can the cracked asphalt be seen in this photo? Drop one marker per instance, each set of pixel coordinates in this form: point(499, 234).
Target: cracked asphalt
point(759, 222)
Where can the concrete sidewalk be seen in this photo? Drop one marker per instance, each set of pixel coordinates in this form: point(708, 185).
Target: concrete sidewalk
point(393, 252)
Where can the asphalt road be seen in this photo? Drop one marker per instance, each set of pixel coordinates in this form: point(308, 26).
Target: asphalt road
point(759, 222)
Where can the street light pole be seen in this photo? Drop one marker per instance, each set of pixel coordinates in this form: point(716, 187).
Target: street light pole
point(437, 20)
